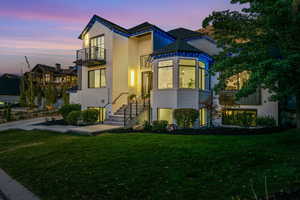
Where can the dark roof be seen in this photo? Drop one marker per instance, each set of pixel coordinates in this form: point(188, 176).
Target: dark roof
point(182, 33)
point(9, 84)
point(177, 46)
point(141, 27)
point(46, 68)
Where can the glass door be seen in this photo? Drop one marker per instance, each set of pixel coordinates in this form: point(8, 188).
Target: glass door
point(97, 48)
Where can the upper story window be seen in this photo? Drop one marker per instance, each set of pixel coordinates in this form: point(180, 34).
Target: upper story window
point(187, 73)
point(165, 74)
point(97, 47)
point(96, 78)
point(237, 81)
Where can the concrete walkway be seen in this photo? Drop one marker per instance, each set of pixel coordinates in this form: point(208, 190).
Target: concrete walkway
point(34, 124)
point(12, 190)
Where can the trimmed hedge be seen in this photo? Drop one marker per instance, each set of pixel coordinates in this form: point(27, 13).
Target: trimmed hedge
point(90, 116)
point(186, 117)
point(267, 121)
point(74, 117)
point(159, 125)
point(68, 108)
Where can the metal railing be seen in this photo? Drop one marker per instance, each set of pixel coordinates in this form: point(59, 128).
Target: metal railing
point(140, 105)
point(91, 54)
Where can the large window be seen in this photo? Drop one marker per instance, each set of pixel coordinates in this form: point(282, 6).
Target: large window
point(165, 114)
point(238, 116)
point(203, 78)
point(96, 78)
point(97, 47)
point(203, 117)
point(187, 73)
point(165, 74)
point(236, 82)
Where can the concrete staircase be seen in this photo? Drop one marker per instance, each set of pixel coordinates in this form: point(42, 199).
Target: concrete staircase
point(123, 113)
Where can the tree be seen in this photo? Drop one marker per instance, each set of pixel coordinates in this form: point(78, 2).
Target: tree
point(263, 39)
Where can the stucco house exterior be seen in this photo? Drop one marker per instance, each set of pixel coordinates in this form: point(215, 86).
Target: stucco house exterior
point(160, 70)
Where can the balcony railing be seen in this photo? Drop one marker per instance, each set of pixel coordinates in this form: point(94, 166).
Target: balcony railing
point(91, 56)
point(229, 98)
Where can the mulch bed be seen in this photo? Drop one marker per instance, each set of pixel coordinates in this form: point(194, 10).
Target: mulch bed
point(209, 131)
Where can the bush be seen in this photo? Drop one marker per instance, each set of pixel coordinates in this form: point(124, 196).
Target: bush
point(185, 117)
point(246, 120)
point(266, 121)
point(68, 108)
point(147, 126)
point(74, 117)
point(90, 116)
point(159, 125)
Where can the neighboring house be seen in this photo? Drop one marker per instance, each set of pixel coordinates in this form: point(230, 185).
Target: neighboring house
point(44, 76)
point(9, 89)
point(167, 68)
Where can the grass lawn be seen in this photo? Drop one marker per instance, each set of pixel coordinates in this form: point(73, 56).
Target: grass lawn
point(150, 166)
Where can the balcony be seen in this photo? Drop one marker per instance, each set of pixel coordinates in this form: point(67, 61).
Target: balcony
point(228, 98)
point(91, 56)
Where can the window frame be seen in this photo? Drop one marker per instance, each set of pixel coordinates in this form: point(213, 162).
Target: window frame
point(100, 78)
point(168, 66)
point(179, 74)
point(172, 115)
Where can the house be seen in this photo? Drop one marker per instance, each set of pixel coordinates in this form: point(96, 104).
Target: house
point(127, 72)
point(9, 89)
point(57, 78)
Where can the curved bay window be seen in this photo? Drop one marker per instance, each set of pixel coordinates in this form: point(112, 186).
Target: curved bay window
point(165, 74)
point(187, 73)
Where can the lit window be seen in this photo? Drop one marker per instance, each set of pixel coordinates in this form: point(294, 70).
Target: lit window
point(165, 74)
point(238, 116)
point(96, 78)
point(165, 114)
point(203, 117)
point(202, 76)
point(97, 48)
point(236, 82)
point(187, 73)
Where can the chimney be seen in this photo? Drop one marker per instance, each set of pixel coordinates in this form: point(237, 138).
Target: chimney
point(58, 66)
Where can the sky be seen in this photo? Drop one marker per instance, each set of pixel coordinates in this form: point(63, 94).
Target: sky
point(46, 31)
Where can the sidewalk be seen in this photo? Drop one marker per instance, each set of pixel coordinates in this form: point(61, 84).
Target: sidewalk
point(12, 190)
point(33, 124)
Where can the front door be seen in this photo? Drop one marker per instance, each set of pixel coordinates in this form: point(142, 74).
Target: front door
point(146, 83)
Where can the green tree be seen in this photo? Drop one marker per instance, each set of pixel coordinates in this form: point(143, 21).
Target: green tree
point(263, 39)
point(23, 100)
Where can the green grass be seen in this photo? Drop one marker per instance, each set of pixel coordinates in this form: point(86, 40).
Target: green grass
point(150, 166)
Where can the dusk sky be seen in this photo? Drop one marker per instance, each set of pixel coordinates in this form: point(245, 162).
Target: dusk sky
point(47, 30)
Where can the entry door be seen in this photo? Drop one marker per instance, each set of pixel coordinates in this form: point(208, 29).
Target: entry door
point(146, 83)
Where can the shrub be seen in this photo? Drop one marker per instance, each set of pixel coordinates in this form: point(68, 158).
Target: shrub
point(246, 120)
point(90, 116)
point(159, 125)
point(74, 117)
point(185, 117)
point(68, 108)
point(147, 126)
point(7, 113)
point(266, 121)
